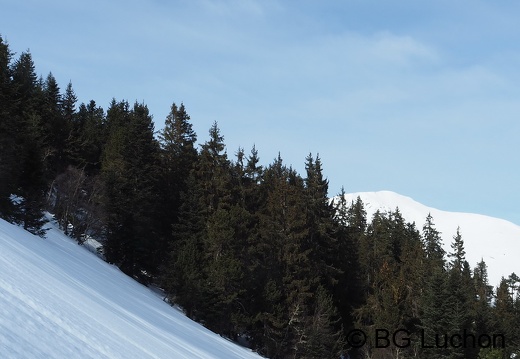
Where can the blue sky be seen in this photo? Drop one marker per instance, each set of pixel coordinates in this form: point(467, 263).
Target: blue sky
point(420, 98)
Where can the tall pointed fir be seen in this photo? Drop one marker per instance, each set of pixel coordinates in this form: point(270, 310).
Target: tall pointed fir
point(505, 319)
point(30, 142)
point(130, 171)
point(55, 128)
point(350, 226)
point(484, 299)
point(69, 112)
point(293, 278)
point(88, 138)
point(432, 242)
point(390, 254)
point(434, 296)
point(225, 238)
point(183, 278)
point(247, 200)
point(178, 157)
point(9, 159)
point(324, 249)
point(294, 323)
point(461, 294)
point(207, 233)
point(320, 221)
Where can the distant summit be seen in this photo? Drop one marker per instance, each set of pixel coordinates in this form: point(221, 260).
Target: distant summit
point(495, 240)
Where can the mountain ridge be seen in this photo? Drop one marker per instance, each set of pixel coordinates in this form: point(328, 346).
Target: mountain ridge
point(493, 239)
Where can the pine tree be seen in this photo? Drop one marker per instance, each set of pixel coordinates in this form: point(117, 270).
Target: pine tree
point(458, 256)
point(30, 184)
point(183, 277)
point(9, 160)
point(460, 295)
point(350, 226)
point(56, 128)
point(504, 318)
point(287, 288)
point(88, 138)
point(484, 300)
point(130, 170)
point(391, 256)
point(178, 158)
point(69, 113)
point(213, 171)
point(432, 245)
point(321, 338)
point(436, 311)
point(320, 223)
point(214, 235)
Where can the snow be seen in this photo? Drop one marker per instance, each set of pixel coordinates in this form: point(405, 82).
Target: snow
point(497, 241)
point(59, 300)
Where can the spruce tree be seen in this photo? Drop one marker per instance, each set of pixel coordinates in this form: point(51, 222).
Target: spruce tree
point(350, 226)
point(69, 113)
point(484, 300)
point(432, 245)
point(9, 160)
point(320, 223)
point(460, 295)
point(88, 137)
point(178, 158)
point(31, 183)
point(56, 128)
point(130, 171)
point(504, 318)
point(436, 311)
point(183, 277)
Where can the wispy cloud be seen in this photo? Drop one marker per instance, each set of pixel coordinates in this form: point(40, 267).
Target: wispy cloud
point(357, 81)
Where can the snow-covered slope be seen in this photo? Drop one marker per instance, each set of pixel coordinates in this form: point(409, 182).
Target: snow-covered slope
point(495, 240)
point(58, 300)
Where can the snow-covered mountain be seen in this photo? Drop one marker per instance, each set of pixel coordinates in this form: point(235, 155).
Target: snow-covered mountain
point(58, 300)
point(495, 240)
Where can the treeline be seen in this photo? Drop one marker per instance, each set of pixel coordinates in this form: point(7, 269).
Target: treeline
point(256, 253)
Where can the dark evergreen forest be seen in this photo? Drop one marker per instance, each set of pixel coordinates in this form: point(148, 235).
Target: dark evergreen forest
point(257, 253)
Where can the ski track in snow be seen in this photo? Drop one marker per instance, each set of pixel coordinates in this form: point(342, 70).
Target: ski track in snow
point(58, 300)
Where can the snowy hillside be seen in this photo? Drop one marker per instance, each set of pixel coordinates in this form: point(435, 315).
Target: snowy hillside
point(495, 240)
point(58, 300)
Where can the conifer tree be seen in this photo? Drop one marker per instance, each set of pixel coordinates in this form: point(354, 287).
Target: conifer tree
point(320, 223)
point(217, 236)
point(183, 277)
point(178, 158)
point(55, 128)
point(88, 138)
point(504, 318)
point(435, 320)
point(274, 331)
point(350, 226)
point(432, 244)
point(484, 300)
point(69, 104)
point(31, 183)
point(213, 171)
point(392, 254)
point(130, 170)
point(9, 159)
point(69, 113)
point(460, 299)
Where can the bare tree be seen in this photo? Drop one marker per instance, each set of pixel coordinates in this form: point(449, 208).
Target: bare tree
point(76, 202)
